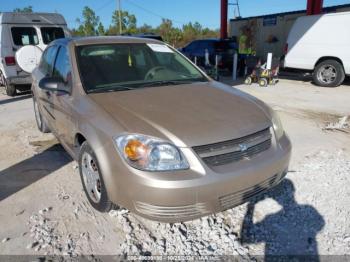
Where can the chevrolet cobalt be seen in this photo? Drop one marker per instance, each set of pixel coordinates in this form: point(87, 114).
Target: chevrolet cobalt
point(153, 133)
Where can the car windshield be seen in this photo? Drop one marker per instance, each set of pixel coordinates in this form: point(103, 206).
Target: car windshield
point(118, 67)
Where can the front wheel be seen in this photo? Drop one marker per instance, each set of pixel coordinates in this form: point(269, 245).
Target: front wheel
point(248, 80)
point(92, 180)
point(329, 73)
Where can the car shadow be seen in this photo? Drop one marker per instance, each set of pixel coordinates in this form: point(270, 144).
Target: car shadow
point(15, 99)
point(288, 233)
point(28, 171)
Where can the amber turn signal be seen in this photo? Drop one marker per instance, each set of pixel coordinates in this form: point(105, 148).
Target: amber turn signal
point(135, 150)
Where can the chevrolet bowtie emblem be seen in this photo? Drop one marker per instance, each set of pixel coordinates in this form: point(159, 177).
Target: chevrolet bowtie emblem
point(243, 147)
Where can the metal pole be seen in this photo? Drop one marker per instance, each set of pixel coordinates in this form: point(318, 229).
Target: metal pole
point(314, 7)
point(234, 71)
point(120, 18)
point(318, 7)
point(206, 56)
point(216, 67)
point(223, 24)
point(239, 11)
point(269, 61)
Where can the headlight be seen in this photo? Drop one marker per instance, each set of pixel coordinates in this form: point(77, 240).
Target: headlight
point(149, 153)
point(277, 125)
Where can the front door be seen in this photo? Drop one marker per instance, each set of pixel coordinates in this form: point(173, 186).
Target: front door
point(64, 125)
point(46, 97)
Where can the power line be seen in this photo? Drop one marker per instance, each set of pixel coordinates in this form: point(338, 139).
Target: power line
point(155, 14)
point(104, 5)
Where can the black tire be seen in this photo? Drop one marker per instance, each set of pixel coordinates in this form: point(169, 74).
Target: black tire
point(40, 121)
point(9, 89)
point(248, 80)
point(335, 77)
point(104, 204)
point(263, 82)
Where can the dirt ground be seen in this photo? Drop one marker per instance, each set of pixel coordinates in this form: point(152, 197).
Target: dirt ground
point(43, 209)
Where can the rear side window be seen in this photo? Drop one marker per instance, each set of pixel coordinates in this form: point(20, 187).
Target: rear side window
point(24, 36)
point(47, 60)
point(51, 33)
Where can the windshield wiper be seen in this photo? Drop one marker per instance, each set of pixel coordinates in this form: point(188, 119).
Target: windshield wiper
point(110, 89)
point(169, 82)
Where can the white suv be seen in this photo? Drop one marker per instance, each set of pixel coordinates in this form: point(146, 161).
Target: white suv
point(22, 29)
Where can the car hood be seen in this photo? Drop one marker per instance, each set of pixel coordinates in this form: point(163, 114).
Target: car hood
point(188, 115)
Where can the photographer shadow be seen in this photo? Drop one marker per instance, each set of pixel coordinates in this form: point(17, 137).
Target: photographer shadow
point(289, 233)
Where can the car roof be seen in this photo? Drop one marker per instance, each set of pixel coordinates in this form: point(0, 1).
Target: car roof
point(90, 40)
point(32, 18)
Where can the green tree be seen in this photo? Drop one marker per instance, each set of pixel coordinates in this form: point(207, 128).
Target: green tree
point(27, 9)
point(101, 29)
point(91, 25)
point(128, 22)
point(145, 28)
point(88, 26)
point(165, 29)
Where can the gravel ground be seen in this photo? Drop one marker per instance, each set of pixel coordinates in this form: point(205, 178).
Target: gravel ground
point(44, 209)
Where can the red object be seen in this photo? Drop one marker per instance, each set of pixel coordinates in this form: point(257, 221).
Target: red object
point(10, 60)
point(314, 7)
point(223, 26)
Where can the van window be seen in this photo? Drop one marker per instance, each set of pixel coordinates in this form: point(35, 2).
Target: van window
point(51, 33)
point(24, 36)
point(47, 60)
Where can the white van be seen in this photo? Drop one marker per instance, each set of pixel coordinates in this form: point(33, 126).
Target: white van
point(321, 44)
point(22, 29)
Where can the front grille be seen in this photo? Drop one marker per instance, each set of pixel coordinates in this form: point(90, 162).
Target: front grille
point(179, 212)
point(235, 150)
point(242, 196)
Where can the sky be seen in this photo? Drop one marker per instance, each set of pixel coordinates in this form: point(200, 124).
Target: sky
point(206, 12)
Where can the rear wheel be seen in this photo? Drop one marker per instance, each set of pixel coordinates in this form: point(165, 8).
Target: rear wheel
point(9, 89)
point(263, 82)
point(92, 180)
point(329, 73)
point(40, 122)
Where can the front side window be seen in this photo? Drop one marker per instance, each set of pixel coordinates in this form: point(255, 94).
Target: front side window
point(51, 33)
point(62, 67)
point(47, 60)
point(24, 36)
point(133, 65)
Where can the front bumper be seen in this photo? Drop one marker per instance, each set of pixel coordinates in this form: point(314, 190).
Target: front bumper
point(186, 195)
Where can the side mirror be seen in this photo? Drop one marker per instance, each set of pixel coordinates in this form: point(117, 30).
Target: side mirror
point(53, 84)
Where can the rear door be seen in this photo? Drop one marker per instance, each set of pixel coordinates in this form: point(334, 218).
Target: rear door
point(21, 35)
